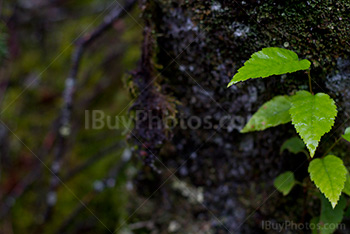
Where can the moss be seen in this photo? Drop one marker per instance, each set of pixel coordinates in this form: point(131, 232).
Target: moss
point(209, 40)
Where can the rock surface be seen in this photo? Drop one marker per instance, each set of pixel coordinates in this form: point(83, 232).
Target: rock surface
point(199, 46)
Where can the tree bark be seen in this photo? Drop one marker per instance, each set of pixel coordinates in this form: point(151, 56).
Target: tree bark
point(199, 46)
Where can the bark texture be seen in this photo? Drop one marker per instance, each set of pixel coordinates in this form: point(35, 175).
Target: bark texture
point(198, 46)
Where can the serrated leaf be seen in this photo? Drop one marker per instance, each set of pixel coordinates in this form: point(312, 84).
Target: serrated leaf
point(331, 217)
point(346, 135)
point(346, 189)
point(329, 175)
point(271, 114)
point(284, 182)
point(270, 61)
point(312, 117)
point(294, 145)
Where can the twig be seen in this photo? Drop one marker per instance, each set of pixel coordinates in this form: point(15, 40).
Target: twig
point(310, 84)
point(70, 85)
point(330, 148)
point(22, 186)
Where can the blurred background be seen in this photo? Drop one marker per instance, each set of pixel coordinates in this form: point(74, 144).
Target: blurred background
point(37, 41)
point(62, 59)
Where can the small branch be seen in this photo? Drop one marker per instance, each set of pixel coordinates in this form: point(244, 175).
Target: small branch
point(330, 148)
point(70, 86)
point(81, 45)
point(305, 194)
point(310, 85)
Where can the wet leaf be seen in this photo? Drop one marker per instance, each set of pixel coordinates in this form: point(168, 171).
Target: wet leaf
point(331, 217)
point(271, 114)
point(312, 117)
point(346, 135)
point(270, 61)
point(294, 145)
point(313, 224)
point(329, 175)
point(285, 182)
point(346, 189)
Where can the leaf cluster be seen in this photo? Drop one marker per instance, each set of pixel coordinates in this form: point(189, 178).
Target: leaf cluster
point(312, 116)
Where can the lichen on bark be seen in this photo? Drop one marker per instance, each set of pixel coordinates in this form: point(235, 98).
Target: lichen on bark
point(199, 46)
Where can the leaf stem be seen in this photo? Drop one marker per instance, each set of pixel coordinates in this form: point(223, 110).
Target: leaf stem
point(330, 148)
point(307, 155)
point(309, 75)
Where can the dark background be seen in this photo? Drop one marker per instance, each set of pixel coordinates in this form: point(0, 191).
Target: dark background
point(169, 58)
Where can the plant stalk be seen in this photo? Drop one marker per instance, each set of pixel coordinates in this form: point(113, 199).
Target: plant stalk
point(330, 148)
point(310, 85)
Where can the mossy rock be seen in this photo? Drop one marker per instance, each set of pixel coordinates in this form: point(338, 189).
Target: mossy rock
point(210, 41)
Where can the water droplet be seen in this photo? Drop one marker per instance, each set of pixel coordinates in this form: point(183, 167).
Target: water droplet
point(51, 198)
point(65, 130)
point(216, 6)
point(98, 185)
point(174, 226)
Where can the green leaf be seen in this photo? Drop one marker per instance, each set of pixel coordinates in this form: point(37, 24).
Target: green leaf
point(312, 117)
point(313, 224)
point(347, 212)
point(271, 114)
point(270, 61)
point(331, 217)
point(329, 175)
point(284, 182)
point(346, 135)
point(346, 189)
point(294, 145)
